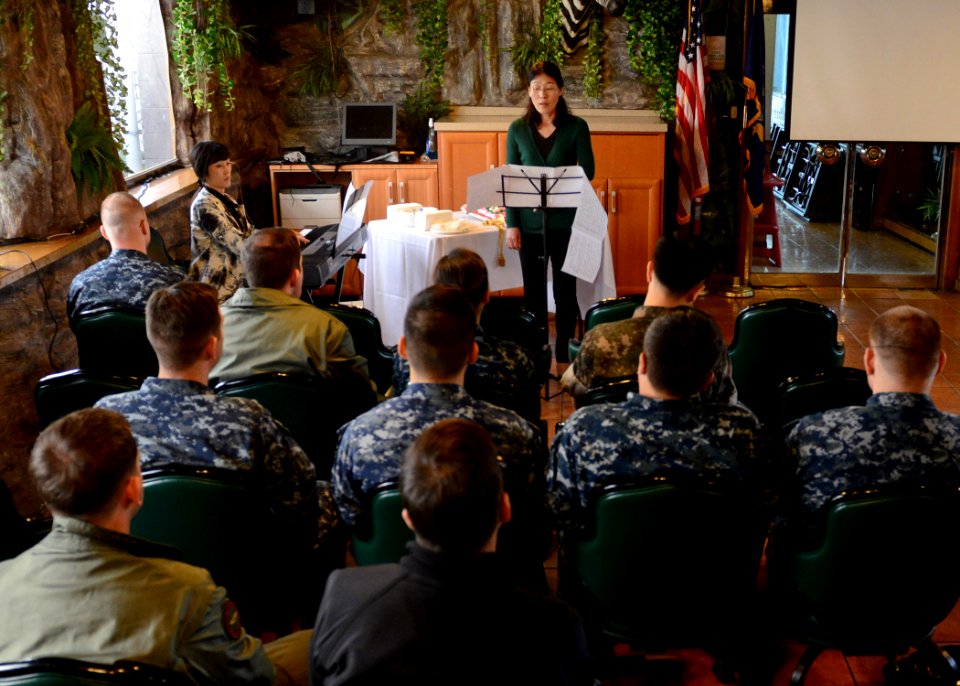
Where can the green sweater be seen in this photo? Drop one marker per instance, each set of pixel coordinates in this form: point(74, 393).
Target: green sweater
point(572, 147)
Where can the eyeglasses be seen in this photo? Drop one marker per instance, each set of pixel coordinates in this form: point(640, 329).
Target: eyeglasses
point(547, 90)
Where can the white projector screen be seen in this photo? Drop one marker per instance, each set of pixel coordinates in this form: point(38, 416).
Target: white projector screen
point(876, 70)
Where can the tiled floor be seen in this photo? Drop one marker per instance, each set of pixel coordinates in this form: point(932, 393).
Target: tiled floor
point(856, 309)
point(814, 248)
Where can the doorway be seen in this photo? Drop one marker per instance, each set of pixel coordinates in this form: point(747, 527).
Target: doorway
point(850, 213)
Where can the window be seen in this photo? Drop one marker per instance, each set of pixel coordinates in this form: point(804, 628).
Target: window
point(142, 46)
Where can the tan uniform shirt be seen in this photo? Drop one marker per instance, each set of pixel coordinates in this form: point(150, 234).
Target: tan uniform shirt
point(91, 594)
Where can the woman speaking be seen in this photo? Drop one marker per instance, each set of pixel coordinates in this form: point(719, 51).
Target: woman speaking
point(547, 136)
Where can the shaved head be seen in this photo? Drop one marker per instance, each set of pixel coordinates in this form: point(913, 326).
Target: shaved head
point(121, 214)
point(906, 341)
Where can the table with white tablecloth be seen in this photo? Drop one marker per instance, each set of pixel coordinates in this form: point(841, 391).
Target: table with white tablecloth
point(400, 261)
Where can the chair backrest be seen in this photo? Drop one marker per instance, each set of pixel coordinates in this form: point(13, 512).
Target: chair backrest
point(364, 329)
point(509, 320)
point(885, 571)
point(157, 251)
point(60, 671)
point(384, 537)
point(14, 529)
point(57, 395)
point(113, 340)
point(311, 407)
point(666, 563)
point(610, 392)
point(612, 310)
point(811, 393)
point(220, 520)
point(775, 340)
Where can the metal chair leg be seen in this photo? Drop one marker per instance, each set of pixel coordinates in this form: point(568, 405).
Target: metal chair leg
point(806, 660)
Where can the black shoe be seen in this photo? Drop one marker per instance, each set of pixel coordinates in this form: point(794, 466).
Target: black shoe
point(562, 352)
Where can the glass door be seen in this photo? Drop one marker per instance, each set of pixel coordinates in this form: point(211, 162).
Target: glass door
point(852, 214)
point(848, 213)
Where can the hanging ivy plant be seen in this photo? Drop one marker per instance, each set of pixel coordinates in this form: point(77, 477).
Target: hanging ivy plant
point(653, 40)
point(204, 40)
point(392, 14)
point(551, 32)
point(97, 60)
point(486, 12)
point(432, 37)
point(543, 43)
point(21, 12)
point(593, 61)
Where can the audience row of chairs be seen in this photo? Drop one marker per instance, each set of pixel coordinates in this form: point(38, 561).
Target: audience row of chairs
point(878, 579)
point(786, 359)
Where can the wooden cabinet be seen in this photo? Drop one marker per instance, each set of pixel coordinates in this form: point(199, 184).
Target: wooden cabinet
point(629, 183)
point(393, 184)
point(463, 154)
point(634, 216)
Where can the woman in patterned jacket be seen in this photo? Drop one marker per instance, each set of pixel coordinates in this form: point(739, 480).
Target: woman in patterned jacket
point(218, 223)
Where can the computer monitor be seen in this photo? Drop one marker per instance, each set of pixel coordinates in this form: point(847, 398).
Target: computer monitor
point(369, 124)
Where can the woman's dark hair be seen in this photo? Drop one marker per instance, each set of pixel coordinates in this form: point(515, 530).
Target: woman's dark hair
point(206, 153)
point(531, 116)
point(466, 270)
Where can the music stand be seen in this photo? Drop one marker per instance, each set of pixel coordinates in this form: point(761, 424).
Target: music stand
point(527, 187)
point(548, 191)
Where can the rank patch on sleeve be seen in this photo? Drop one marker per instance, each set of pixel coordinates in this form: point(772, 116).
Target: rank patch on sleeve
point(230, 618)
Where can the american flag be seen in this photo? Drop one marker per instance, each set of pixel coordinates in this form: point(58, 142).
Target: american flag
point(691, 150)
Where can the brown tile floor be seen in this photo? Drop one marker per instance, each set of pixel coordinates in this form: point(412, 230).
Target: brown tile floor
point(856, 309)
point(814, 247)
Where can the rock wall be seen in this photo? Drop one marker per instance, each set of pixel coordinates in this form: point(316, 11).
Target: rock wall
point(37, 194)
point(479, 71)
point(27, 328)
point(26, 332)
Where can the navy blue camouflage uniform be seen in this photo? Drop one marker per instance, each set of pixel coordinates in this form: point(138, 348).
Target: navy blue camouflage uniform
point(372, 448)
point(176, 421)
point(621, 442)
point(896, 437)
point(124, 278)
point(503, 371)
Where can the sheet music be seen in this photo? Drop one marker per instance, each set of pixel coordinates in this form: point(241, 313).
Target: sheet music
point(354, 205)
point(515, 185)
point(589, 228)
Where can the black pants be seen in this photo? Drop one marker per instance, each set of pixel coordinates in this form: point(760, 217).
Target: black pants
point(535, 287)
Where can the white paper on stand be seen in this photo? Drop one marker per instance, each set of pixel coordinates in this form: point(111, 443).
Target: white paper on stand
point(589, 228)
point(515, 185)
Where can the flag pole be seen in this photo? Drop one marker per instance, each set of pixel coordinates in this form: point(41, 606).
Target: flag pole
point(741, 283)
point(696, 211)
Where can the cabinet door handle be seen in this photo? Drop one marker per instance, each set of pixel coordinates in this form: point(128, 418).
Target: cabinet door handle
point(613, 202)
point(389, 192)
point(402, 192)
point(603, 199)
